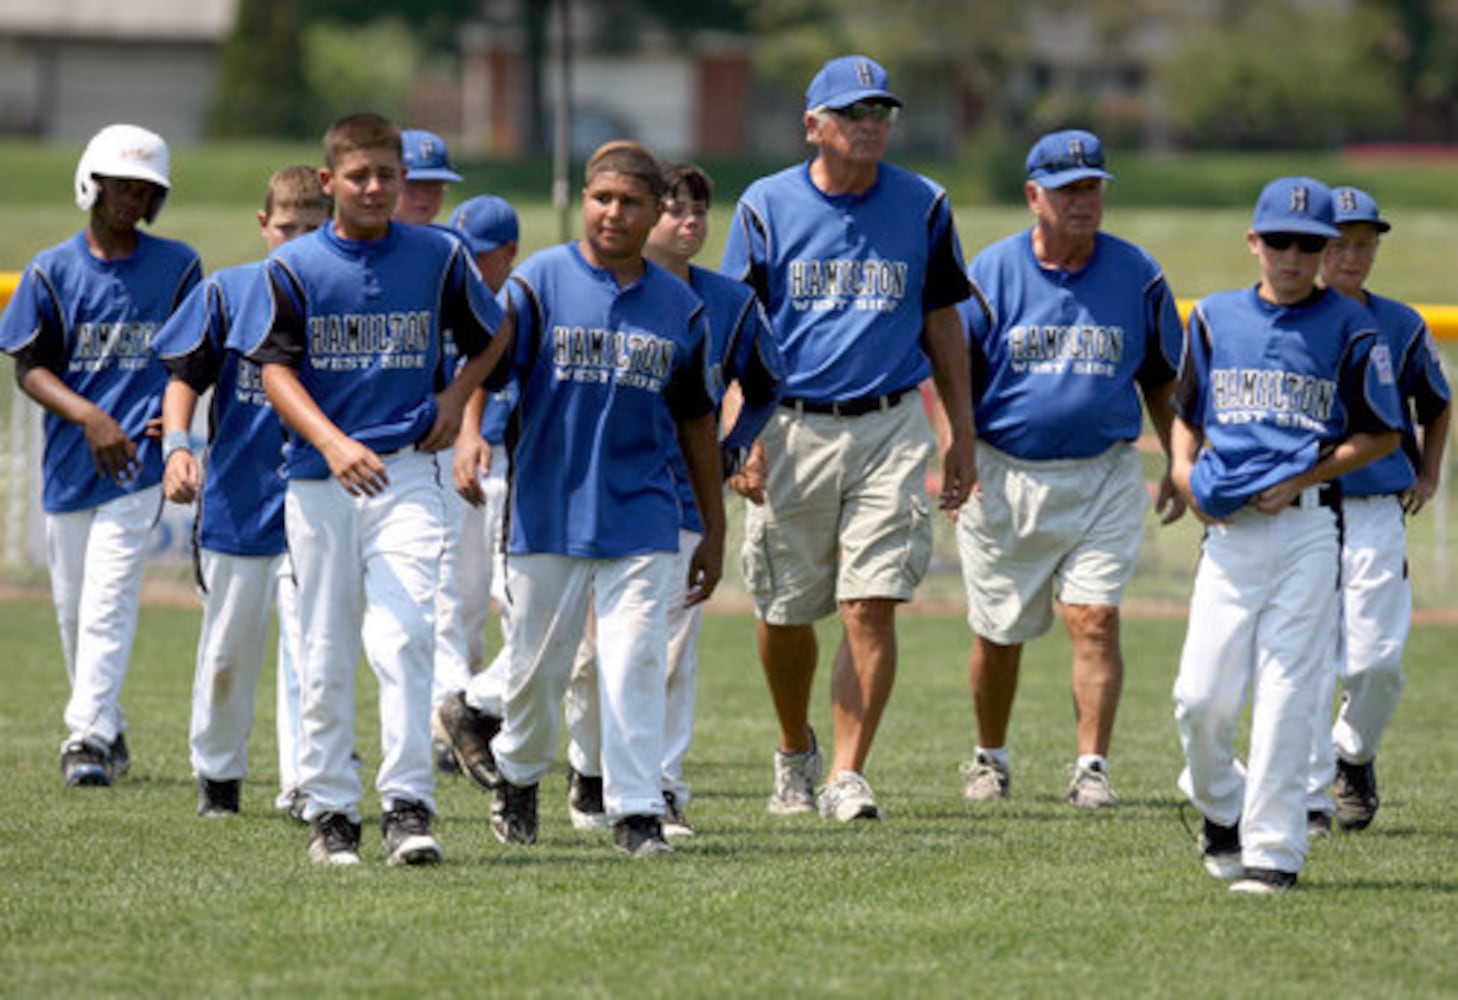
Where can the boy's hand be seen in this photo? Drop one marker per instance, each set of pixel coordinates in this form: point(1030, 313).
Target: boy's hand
point(705, 569)
point(179, 479)
point(115, 454)
point(473, 457)
point(752, 478)
point(447, 425)
point(358, 469)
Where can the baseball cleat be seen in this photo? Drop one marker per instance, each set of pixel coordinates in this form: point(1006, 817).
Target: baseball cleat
point(640, 837)
point(333, 840)
point(1263, 882)
point(85, 766)
point(217, 798)
point(675, 822)
point(121, 756)
point(796, 775)
point(1090, 788)
point(469, 734)
point(408, 840)
point(1355, 792)
point(1220, 851)
point(514, 813)
point(584, 801)
point(1318, 826)
point(846, 797)
point(985, 779)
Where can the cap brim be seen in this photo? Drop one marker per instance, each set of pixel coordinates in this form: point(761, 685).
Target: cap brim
point(1063, 178)
point(484, 246)
point(432, 174)
point(1381, 225)
point(850, 97)
point(1291, 224)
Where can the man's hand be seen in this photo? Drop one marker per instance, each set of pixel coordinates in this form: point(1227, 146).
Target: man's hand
point(959, 472)
point(705, 569)
point(1168, 503)
point(358, 469)
point(1416, 498)
point(114, 453)
point(753, 476)
point(179, 478)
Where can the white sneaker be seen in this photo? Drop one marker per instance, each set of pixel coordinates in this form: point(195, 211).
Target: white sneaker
point(796, 775)
point(986, 779)
point(1090, 788)
point(846, 796)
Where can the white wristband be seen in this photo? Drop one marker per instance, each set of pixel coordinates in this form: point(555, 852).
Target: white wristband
point(175, 441)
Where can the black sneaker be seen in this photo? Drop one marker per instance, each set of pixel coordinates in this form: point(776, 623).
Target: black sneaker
point(1220, 850)
point(468, 734)
point(217, 798)
point(1263, 881)
point(514, 813)
point(640, 837)
point(1318, 826)
point(292, 803)
point(121, 756)
point(334, 840)
point(85, 766)
point(1355, 791)
point(675, 822)
point(584, 801)
point(445, 757)
point(408, 840)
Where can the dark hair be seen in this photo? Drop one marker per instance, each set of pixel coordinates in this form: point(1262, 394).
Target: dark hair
point(687, 176)
point(630, 159)
point(365, 130)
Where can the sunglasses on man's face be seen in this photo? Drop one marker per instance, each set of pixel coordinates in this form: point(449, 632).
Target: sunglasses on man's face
point(861, 110)
point(1305, 242)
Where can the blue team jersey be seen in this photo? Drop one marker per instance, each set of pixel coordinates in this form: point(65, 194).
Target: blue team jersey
point(498, 409)
point(1272, 387)
point(241, 512)
point(91, 322)
point(1056, 354)
point(1420, 383)
point(742, 350)
point(604, 373)
point(847, 279)
point(362, 322)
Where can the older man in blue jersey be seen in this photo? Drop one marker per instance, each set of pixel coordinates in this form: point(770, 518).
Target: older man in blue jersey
point(1069, 328)
point(859, 269)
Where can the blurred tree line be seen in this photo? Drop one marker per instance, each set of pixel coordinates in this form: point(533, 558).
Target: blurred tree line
point(1179, 73)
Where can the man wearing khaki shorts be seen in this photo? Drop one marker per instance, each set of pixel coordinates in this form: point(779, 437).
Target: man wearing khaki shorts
point(1069, 327)
point(857, 264)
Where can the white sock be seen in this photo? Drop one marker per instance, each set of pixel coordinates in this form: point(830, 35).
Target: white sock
point(1096, 761)
point(998, 755)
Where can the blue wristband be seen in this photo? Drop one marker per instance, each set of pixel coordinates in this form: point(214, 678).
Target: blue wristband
point(175, 441)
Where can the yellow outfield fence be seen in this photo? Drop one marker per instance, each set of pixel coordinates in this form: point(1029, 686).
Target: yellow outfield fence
point(1442, 320)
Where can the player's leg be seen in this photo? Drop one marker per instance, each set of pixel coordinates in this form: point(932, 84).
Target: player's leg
point(452, 670)
point(473, 581)
point(111, 591)
point(287, 693)
point(403, 538)
point(582, 713)
point(684, 626)
point(238, 595)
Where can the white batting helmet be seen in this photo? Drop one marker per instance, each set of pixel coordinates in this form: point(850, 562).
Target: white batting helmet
point(123, 151)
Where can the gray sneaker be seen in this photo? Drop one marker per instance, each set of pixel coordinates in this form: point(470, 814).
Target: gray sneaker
point(408, 840)
point(846, 796)
point(1090, 788)
point(796, 775)
point(985, 780)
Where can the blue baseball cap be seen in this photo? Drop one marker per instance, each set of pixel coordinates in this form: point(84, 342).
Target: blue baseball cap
point(1295, 205)
point(486, 222)
point(1356, 205)
point(847, 79)
point(1060, 158)
point(426, 157)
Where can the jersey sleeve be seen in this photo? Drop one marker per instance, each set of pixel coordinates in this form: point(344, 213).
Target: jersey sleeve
point(1368, 386)
point(284, 340)
point(1423, 380)
point(946, 272)
point(1164, 335)
point(31, 328)
point(469, 310)
point(746, 250)
point(1193, 374)
point(189, 344)
point(690, 392)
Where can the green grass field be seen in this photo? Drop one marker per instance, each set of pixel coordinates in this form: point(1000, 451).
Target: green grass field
point(123, 892)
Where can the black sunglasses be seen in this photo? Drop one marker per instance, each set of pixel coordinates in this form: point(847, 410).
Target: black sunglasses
point(1305, 242)
point(861, 110)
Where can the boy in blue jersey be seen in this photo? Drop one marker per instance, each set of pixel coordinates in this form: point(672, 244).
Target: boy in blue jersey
point(1283, 388)
point(859, 269)
point(80, 327)
point(240, 521)
point(1071, 329)
point(742, 348)
point(350, 361)
point(611, 357)
point(427, 172)
point(1376, 595)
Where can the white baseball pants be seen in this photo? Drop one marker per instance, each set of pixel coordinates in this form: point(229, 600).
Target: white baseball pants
point(452, 666)
point(287, 694)
point(550, 596)
point(584, 719)
point(367, 573)
point(479, 573)
point(1375, 618)
point(96, 557)
point(1261, 618)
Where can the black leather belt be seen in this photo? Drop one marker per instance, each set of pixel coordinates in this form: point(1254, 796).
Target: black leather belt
point(1327, 495)
point(846, 407)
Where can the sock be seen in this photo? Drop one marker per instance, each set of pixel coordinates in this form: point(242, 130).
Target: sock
point(998, 755)
point(1096, 761)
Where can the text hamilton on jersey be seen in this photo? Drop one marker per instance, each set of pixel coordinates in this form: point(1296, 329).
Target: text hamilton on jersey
point(865, 285)
point(359, 341)
point(1254, 395)
point(638, 360)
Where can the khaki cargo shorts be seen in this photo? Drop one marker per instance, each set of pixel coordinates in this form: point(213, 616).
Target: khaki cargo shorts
point(1073, 523)
point(846, 515)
